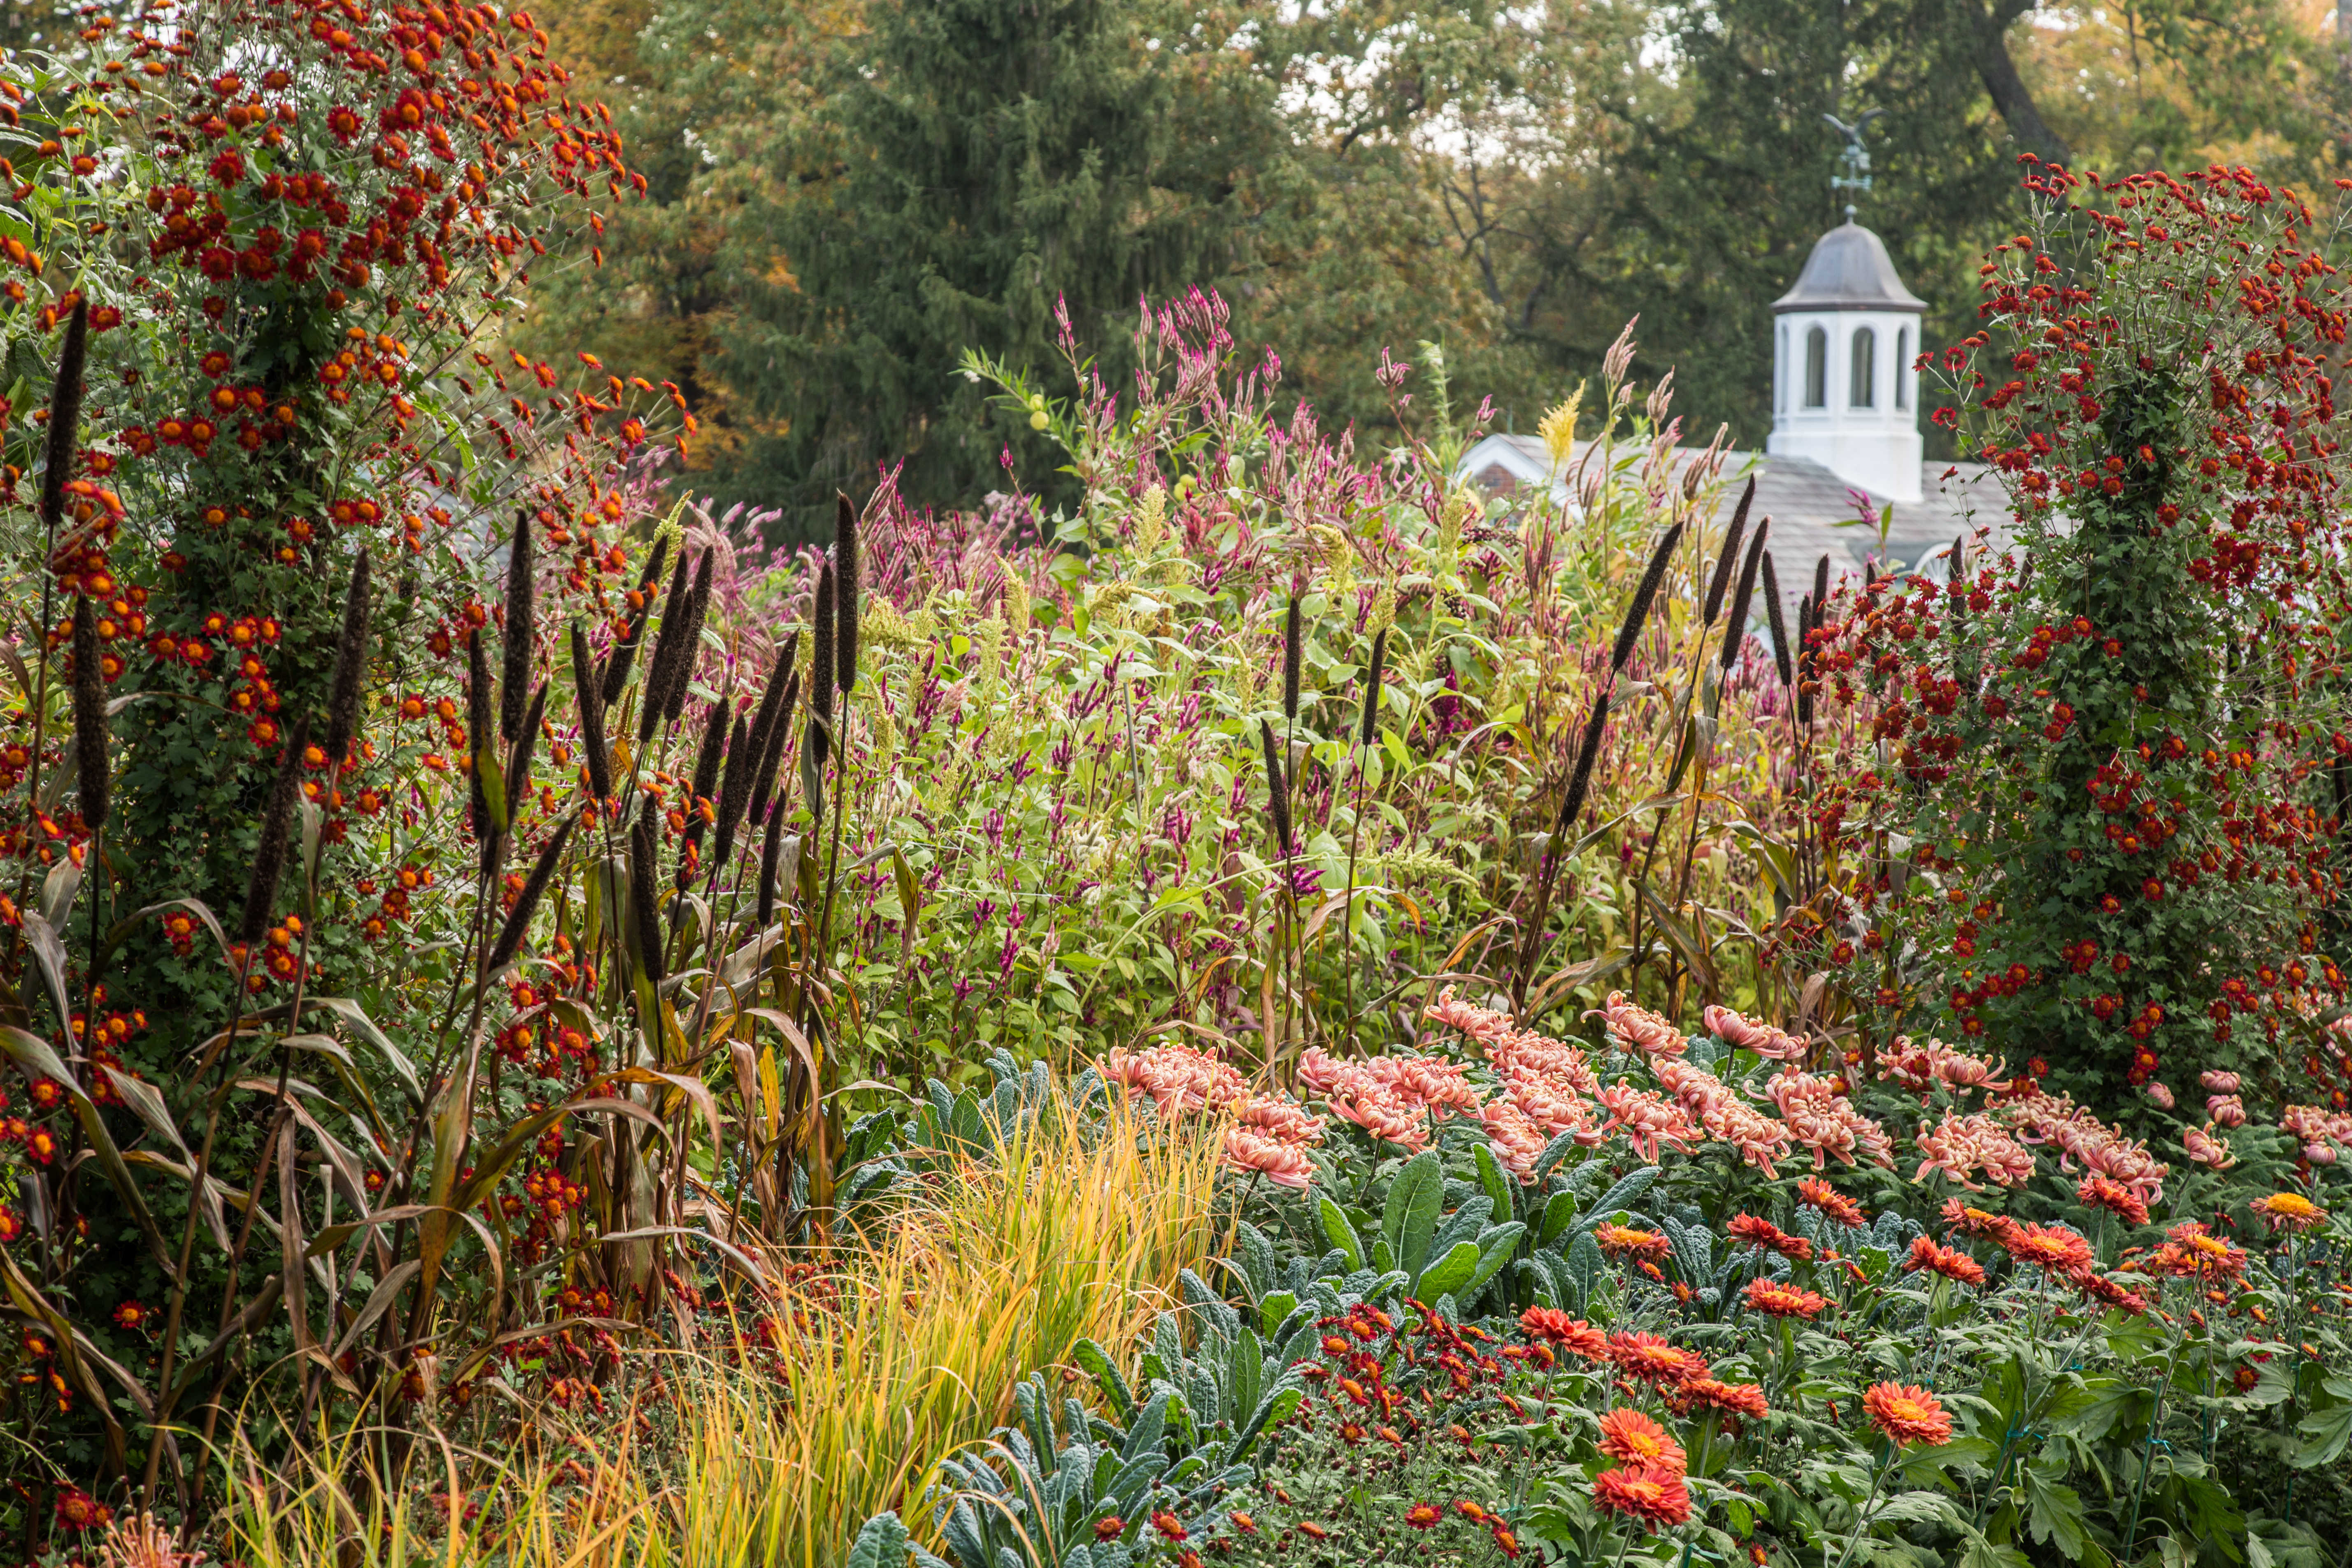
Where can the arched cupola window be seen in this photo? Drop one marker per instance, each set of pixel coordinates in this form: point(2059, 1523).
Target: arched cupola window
point(1817, 368)
point(1903, 367)
point(1862, 385)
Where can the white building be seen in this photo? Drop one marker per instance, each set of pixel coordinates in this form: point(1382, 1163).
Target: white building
point(1846, 430)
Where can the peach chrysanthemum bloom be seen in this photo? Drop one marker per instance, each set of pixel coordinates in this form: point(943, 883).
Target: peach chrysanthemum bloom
point(1628, 1434)
point(1907, 1415)
point(1653, 1494)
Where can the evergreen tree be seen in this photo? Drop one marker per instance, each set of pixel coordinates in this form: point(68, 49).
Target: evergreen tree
point(991, 170)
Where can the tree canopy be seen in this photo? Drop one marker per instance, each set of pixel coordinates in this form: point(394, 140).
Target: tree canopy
point(845, 196)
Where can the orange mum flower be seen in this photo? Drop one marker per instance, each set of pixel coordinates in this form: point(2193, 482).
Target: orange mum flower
point(1625, 1241)
point(1830, 1201)
point(1907, 1415)
point(1654, 1495)
point(1967, 1221)
point(2057, 1247)
point(1627, 1434)
point(2115, 1197)
point(2290, 1211)
point(1947, 1261)
point(1705, 1394)
point(1757, 1232)
point(1571, 1334)
point(1780, 1301)
point(1652, 1359)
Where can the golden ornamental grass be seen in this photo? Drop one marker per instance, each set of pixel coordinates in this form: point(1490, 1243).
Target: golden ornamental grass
point(1078, 1231)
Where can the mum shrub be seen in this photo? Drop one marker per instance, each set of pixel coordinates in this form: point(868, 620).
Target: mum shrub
point(2100, 821)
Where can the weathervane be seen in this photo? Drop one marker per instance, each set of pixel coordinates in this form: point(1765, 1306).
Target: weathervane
point(1857, 157)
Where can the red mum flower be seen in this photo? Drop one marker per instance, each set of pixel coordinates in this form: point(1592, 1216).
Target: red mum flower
point(1812, 1190)
point(77, 1510)
point(1652, 1359)
point(1779, 1301)
point(1625, 1241)
point(1907, 1415)
point(1949, 1262)
point(11, 1227)
point(1169, 1525)
point(1424, 1515)
point(1571, 1334)
point(1705, 1394)
point(1966, 1221)
point(1763, 1233)
point(1628, 1434)
point(2057, 1247)
point(2114, 1197)
point(1655, 1496)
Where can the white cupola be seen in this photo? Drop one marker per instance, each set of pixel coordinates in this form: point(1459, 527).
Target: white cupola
point(1844, 392)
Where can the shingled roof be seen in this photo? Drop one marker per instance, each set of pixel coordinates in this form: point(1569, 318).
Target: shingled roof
point(1813, 512)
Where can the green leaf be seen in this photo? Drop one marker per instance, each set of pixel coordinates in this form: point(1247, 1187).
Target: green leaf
point(2053, 1516)
point(1491, 1177)
point(1409, 1222)
point(1449, 1274)
point(2324, 1434)
point(1495, 1249)
point(1339, 1232)
point(882, 1543)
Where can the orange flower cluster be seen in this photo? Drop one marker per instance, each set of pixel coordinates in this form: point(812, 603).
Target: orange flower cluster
point(1647, 1484)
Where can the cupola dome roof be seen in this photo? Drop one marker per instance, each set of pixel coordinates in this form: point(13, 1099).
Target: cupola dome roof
point(1848, 271)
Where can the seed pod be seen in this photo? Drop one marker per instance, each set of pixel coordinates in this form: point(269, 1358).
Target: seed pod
point(478, 730)
point(705, 785)
point(592, 714)
point(705, 761)
point(1572, 806)
point(645, 913)
point(1638, 612)
point(518, 756)
point(616, 664)
point(1804, 631)
point(534, 888)
point(771, 853)
point(269, 855)
point(514, 681)
point(1734, 634)
point(1820, 589)
point(1293, 653)
point(690, 646)
point(668, 647)
point(774, 724)
point(844, 594)
point(1373, 685)
point(1728, 560)
point(1774, 617)
point(823, 671)
point(90, 715)
point(1277, 792)
point(64, 437)
point(735, 794)
point(773, 759)
point(350, 664)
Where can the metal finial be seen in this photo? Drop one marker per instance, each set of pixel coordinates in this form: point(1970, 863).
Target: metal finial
point(1856, 156)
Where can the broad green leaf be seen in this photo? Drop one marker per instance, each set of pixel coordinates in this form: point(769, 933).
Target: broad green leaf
point(1339, 1232)
point(1409, 1221)
point(1449, 1274)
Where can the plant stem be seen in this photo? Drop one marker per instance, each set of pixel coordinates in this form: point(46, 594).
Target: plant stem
point(1862, 1521)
